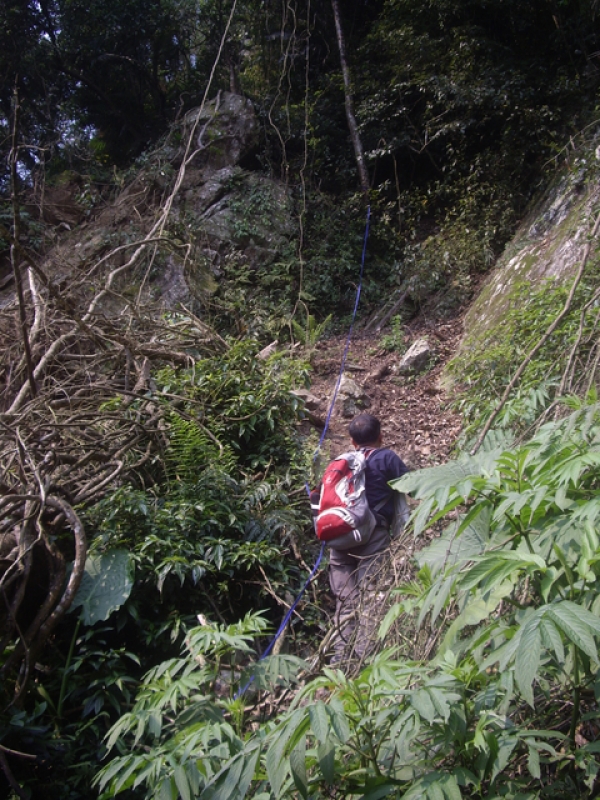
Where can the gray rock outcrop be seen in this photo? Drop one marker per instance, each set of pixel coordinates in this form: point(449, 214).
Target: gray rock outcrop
point(225, 218)
point(351, 399)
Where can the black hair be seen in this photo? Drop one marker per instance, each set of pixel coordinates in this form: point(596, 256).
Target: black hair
point(365, 429)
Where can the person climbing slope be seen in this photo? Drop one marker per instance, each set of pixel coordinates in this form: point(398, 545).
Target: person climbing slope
point(353, 572)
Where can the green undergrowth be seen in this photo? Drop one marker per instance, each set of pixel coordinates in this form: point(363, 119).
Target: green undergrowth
point(204, 530)
point(486, 362)
point(218, 508)
point(505, 707)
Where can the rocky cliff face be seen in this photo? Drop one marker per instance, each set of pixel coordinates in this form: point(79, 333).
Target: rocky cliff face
point(548, 247)
point(221, 213)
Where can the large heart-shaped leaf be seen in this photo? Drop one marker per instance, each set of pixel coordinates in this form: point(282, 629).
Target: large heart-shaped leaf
point(105, 586)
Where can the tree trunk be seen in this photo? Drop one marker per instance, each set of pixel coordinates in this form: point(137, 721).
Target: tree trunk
point(349, 102)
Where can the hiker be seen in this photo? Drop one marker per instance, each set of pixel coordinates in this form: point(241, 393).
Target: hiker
point(353, 573)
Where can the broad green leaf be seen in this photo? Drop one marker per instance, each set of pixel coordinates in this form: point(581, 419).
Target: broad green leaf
point(552, 639)
point(451, 788)
point(421, 483)
point(549, 579)
point(512, 504)
point(166, 790)
point(227, 787)
point(421, 518)
point(504, 653)
point(118, 729)
point(506, 743)
point(445, 506)
point(527, 657)
point(110, 771)
point(592, 537)
point(592, 747)
point(577, 623)
point(434, 786)
point(435, 599)
point(105, 586)
point(475, 527)
point(247, 773)
point(421, 701)
point(499, 565)
point(338, 719)
point(127, 775)
point(319, 721)
point(440, 701)
point(456, 546)
point(392, 614)
point(403, 731)
point(326, 756)
point(475, 610)
point(560, 498)
point(276, 770)
point(155, 724)
point(232, 781)
point(182, 783)
point(434, 792)
point(298, 767)
point(274, 760)
point(570, 471)
point(533, 763)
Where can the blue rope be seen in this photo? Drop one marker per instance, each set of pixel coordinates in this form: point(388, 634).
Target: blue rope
point(287, 617)
point(292, 608)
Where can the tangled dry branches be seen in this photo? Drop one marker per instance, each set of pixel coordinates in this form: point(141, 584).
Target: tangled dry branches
point(91, 421)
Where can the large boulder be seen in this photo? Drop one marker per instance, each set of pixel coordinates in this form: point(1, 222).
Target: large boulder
point(416, 357)
point(351, 398)
point(224, 131)
point(233, 217)
point(233, 213)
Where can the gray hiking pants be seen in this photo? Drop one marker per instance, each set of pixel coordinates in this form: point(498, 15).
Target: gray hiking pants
point(353, 577)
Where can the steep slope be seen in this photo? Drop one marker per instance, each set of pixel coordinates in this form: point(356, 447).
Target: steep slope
point(415, 410)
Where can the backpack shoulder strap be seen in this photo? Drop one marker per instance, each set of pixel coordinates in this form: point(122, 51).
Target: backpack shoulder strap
point(368, 451)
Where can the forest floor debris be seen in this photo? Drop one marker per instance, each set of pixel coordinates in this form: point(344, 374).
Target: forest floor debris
point(416, 413)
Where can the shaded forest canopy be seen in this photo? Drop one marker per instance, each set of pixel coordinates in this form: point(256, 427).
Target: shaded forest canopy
point(153, 521)
point(460, 105)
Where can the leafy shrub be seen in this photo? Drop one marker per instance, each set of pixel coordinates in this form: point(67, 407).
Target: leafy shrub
point(395, 341)
point(187, 721)
point(239, 403)
point(510, 592)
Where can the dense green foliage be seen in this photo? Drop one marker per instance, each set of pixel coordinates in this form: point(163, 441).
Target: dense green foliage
point(488, 360)
point(221, 509)
point(206, 531)
point(462, 108)
point(510, 590)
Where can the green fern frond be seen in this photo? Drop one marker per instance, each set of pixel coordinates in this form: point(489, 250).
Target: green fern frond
point(192, 450)
point(309, 333)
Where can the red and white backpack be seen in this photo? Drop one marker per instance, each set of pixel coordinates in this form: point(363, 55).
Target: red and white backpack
point(343, 518)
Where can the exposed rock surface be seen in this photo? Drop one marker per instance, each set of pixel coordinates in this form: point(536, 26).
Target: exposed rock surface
point(351, 398)
point(224, 215)
point(416, 357)
point(549, 245)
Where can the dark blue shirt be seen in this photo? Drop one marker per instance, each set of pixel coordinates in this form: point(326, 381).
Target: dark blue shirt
point(383, 465)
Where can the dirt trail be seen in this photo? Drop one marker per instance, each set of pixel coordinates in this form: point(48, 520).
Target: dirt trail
point(416, 419)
